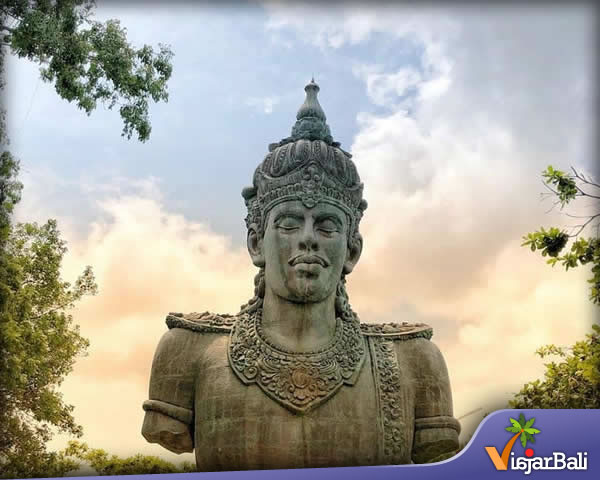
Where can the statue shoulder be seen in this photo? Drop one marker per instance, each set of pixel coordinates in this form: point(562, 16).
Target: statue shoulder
point(205, 322)
point(397, 331)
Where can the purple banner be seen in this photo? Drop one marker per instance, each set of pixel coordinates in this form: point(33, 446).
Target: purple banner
point(507, 444)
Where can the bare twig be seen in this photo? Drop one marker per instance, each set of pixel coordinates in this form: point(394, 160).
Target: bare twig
point(585, 194)
point(549, 188)
point(581, 177)
point(577, 216)
point(557, 202)
point(583, 225)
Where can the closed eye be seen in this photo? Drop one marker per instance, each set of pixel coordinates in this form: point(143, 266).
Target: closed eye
point(288, 224)
point(287, 228)
point(328, 226)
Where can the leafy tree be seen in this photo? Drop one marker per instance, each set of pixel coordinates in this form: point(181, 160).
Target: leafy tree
point(574, 380)
point(10, 192)
point(552, 243)
point(105, 464)
point(38, 347)
point(38, 342)
point(88, 61)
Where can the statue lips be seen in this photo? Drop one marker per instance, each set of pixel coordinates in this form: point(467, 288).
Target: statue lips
point(308, 264)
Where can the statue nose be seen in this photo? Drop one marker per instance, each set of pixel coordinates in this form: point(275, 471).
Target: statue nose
point(308, 240)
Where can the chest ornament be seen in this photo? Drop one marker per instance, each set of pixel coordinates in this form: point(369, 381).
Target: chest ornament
point(298, 381)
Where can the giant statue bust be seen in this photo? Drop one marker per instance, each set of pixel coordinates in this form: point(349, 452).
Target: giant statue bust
point(295, 379)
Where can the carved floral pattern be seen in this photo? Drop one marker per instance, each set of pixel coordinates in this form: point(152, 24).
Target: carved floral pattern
point(397, 331)
point(388, 382)
point(298, 381)
point(201, 322)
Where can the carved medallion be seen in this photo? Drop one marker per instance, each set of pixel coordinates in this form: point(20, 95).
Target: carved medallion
point(298, 381)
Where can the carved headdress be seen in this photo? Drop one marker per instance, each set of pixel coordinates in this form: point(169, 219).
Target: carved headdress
point(307, 166)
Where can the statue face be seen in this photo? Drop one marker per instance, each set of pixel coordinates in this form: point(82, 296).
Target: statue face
point(305, 251)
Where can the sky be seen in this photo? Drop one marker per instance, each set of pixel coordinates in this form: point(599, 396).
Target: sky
point(450, 115)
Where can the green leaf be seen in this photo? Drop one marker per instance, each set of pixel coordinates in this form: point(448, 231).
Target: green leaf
point(529, 422)
point(513, 429)
point(531, 430)
point(522, 420)
point(515, 424)
point(523, 440)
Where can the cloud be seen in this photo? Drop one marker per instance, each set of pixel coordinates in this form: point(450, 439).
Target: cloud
point(452, 175)
point(262, 104)
point(385, 88)
point(148, 261)
point(353, 25)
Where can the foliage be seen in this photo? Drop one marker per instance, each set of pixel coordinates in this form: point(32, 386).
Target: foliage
point(553, 242)
point(38, 342)
point(10, 192)
point(525, 428)
point(106, 464)
point(88, 61)
point(574, 382)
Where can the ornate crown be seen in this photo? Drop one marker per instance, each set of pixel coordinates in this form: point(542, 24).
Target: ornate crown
point(307, 166)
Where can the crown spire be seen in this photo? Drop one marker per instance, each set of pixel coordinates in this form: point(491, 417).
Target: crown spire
point(310, 119)
point(311, 106)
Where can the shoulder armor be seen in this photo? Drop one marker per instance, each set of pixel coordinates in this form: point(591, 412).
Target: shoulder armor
point(205, 322)
point(397, 331)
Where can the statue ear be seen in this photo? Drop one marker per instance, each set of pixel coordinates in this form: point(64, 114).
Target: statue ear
point(255, 247)
point(353, 254)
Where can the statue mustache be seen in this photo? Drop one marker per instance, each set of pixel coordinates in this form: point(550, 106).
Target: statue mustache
point(308, 259)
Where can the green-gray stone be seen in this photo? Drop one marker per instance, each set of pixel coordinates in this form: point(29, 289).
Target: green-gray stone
point(295, 380)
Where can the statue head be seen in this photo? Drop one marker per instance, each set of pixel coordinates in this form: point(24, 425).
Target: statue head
point(304, 209)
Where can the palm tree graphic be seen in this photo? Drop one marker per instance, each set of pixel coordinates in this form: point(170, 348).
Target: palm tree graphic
point(521, 428)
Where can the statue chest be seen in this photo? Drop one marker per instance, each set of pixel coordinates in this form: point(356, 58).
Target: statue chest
point(240, 426)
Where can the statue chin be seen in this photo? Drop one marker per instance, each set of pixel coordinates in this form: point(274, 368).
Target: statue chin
point(305, 290)
point(304, 283)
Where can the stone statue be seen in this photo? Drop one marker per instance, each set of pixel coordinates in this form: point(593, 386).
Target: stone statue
point(294, 379)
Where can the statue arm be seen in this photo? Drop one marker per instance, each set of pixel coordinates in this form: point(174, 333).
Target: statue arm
point(436, 429)
point(169, 411)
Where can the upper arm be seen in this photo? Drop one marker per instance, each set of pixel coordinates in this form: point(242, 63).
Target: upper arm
point(169, 410)
point(436, 429)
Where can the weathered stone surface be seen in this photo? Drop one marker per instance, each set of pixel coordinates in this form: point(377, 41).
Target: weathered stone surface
point(295, 380)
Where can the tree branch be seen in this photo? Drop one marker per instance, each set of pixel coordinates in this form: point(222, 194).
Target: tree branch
point(583, 179)
point(585, 194)
point(549, 187)
point(65, 306)
point(8, 13)
point(577, 216)
point(557, 202)
point(582, 226)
